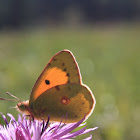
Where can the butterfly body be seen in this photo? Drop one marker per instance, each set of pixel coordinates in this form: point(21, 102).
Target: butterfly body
point(59, 92)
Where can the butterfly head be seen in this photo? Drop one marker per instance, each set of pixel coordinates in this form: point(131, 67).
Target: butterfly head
point(23, 107)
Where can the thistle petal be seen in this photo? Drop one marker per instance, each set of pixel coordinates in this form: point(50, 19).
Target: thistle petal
point(25, 129)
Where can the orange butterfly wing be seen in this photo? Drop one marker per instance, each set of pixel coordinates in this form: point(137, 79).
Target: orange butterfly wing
point(61, 69)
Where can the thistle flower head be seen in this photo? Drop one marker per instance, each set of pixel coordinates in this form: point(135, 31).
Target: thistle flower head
point(25, 129)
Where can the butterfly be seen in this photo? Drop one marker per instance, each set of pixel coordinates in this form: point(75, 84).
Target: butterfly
point(59, 92)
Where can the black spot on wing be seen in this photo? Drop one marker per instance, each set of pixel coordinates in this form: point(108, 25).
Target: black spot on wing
point(68, 74)
point(49, 64)
point(47, 82)
point(65, 69)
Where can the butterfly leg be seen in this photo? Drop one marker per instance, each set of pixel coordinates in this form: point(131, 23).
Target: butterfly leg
point(31, 117)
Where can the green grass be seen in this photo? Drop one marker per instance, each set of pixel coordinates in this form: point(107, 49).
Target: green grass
point(109, 60)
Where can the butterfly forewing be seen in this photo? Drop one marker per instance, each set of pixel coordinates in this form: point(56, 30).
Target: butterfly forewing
point(61, 69)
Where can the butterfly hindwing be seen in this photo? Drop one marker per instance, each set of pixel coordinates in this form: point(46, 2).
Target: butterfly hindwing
point(73, 100)
point(61, 69)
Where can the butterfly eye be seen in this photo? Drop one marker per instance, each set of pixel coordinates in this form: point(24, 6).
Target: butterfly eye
point(21, 107)
point(47, 82)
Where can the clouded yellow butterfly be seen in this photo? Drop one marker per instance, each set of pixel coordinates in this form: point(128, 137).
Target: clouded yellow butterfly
point(59, 92)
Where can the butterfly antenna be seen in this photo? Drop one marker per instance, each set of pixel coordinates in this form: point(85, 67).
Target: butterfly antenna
point(13, 97)
point(8, 99)
point(16, 99)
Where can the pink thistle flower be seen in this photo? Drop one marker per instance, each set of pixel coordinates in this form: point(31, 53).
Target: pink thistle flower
point(25, 129)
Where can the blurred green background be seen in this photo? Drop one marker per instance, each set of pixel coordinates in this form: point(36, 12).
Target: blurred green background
point(108, 54)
